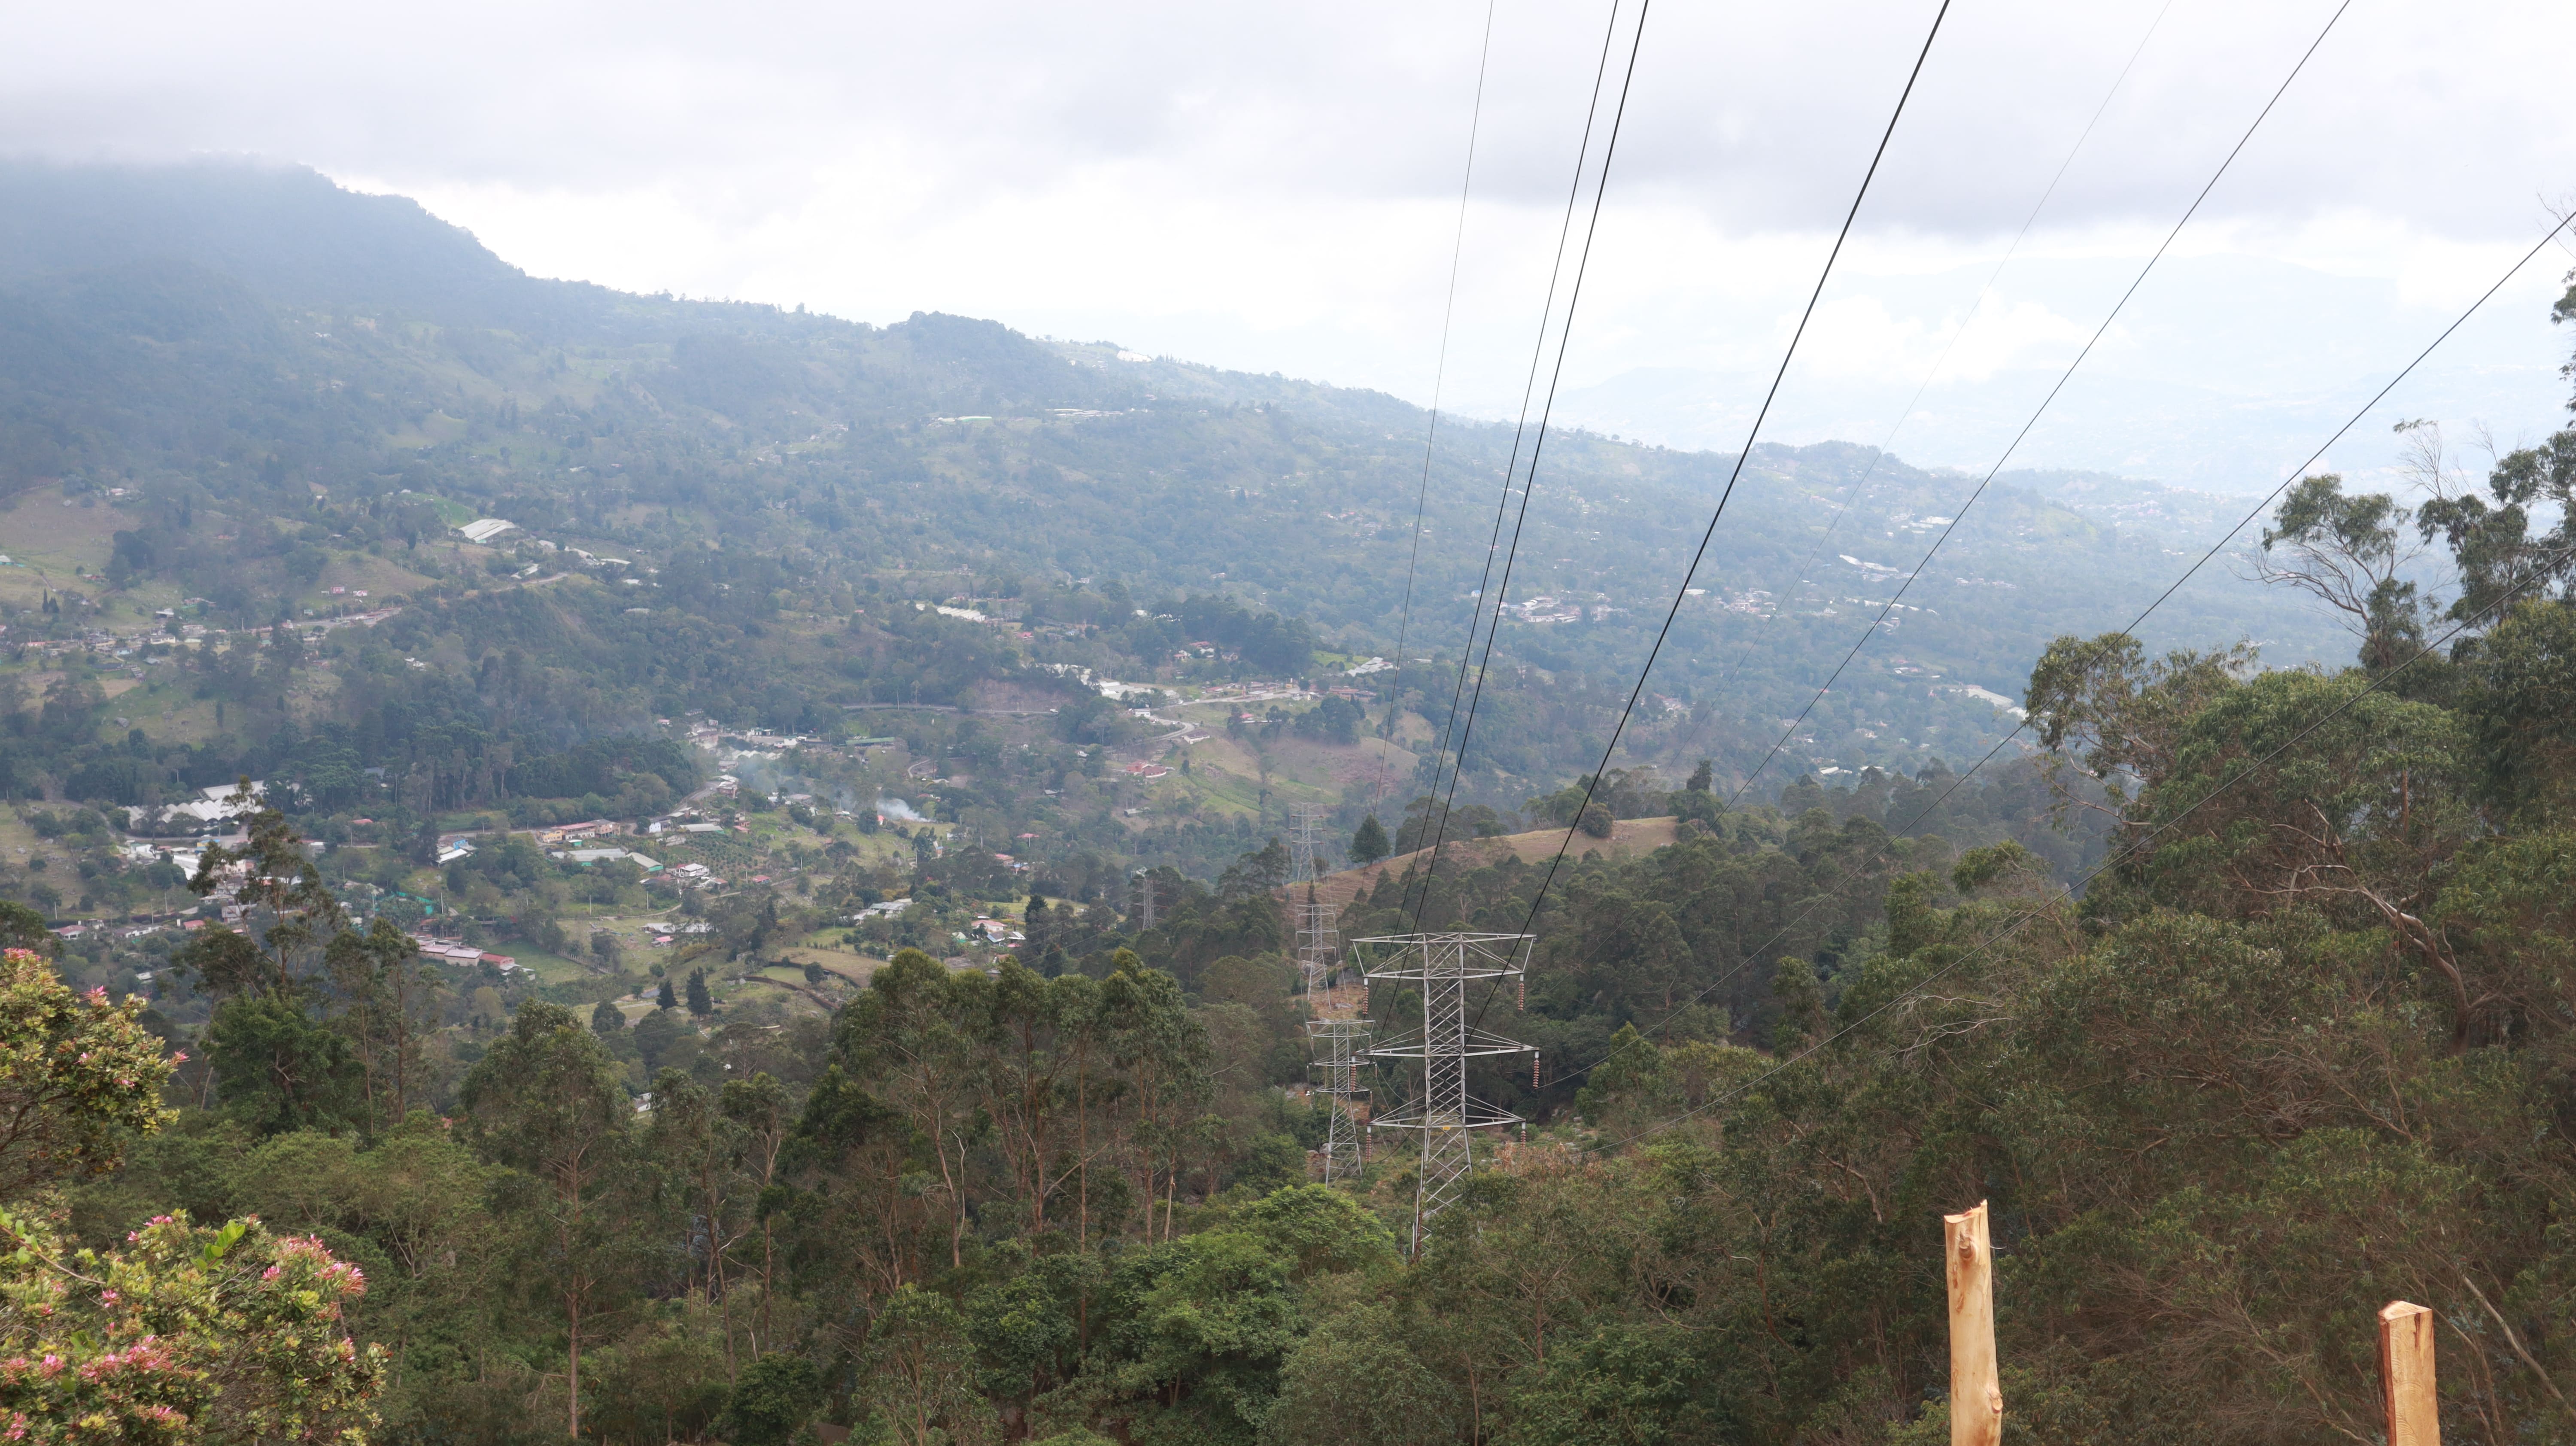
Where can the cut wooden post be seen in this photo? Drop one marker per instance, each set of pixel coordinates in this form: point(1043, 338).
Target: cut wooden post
point(2406, 1375)
point(1976, 1393)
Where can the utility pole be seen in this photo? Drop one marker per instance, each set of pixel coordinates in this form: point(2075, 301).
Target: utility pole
point(1444, 965)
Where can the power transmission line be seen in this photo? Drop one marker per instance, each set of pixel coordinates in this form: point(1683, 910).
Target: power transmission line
point(2044, 402)
point(1511, 464)
point(1860, 485)
point(1439, 375)
point(1444, 965)
point(1538, 445)
point(2294, 475)
point(1592, 784)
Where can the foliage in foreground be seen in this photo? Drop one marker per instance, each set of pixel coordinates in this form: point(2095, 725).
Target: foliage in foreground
point(186, 1333)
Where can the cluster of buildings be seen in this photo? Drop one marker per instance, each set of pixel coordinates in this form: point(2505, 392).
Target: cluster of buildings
point(1545, 609)
point(587, 857)
point(482, 530)
point(448, 951)
point(188, 815)
point(1257, 691)
point(730, 745)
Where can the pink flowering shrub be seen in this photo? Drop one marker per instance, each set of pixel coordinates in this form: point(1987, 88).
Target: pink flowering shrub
point(189, 1334)
point(79, 1075)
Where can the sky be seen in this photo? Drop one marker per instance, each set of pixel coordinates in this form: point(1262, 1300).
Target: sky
point(1280, 189)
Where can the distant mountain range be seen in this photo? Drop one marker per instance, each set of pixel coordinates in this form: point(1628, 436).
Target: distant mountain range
point(244, 338)
point(2223, 371)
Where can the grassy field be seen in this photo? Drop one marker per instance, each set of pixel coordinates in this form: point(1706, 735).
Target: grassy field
point(849, 964)
point(168, 710)
point(549, 968)
point(1628, 837)
point(1225, 773)
point(46, 536)
point(382, 577)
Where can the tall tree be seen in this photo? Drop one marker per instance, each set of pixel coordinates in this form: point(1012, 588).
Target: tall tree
point(1369, 843)
point(386, 997)
point(701, 1151)
point(1162, 1056)
point(546, 1100)
point(914, 1032)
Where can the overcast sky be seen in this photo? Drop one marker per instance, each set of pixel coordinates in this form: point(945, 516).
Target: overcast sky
point(1276, 188)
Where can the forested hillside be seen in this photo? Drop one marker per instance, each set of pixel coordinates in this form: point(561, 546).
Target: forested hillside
point(265, 380)
point(788, 941)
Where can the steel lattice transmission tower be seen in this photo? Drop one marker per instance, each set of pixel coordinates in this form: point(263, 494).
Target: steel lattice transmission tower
point(1318, 941)
point(1444, 965)
point(1339, 1045)
point(1318, 945)
point(1143, 911)
point(1305, 842)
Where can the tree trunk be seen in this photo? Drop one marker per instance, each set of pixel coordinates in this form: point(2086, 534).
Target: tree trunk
point(402, 1038)
point(1976, 1397)
point(572, 1393)
point(715, 1275)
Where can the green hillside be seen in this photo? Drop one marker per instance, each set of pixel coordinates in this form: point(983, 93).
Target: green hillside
point(276, 387)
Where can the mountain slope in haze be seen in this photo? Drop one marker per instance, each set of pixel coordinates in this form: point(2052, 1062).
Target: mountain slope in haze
point(234, 347)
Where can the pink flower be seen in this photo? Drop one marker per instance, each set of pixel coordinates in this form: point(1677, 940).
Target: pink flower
point(179, 1058)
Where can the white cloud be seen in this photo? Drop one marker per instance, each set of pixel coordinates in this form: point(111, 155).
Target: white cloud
point(1275, 189)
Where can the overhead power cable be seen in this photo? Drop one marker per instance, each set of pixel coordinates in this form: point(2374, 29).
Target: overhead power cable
point(1769, 396)
point(1529, 482)
point(1960, 780)
point(2044, 403)
point(1439, 375)
point(1529, 386)
point(1860, 486)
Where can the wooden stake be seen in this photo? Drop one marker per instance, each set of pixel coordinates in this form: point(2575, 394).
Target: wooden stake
point(1976, 1394)
point(2406, 1375)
